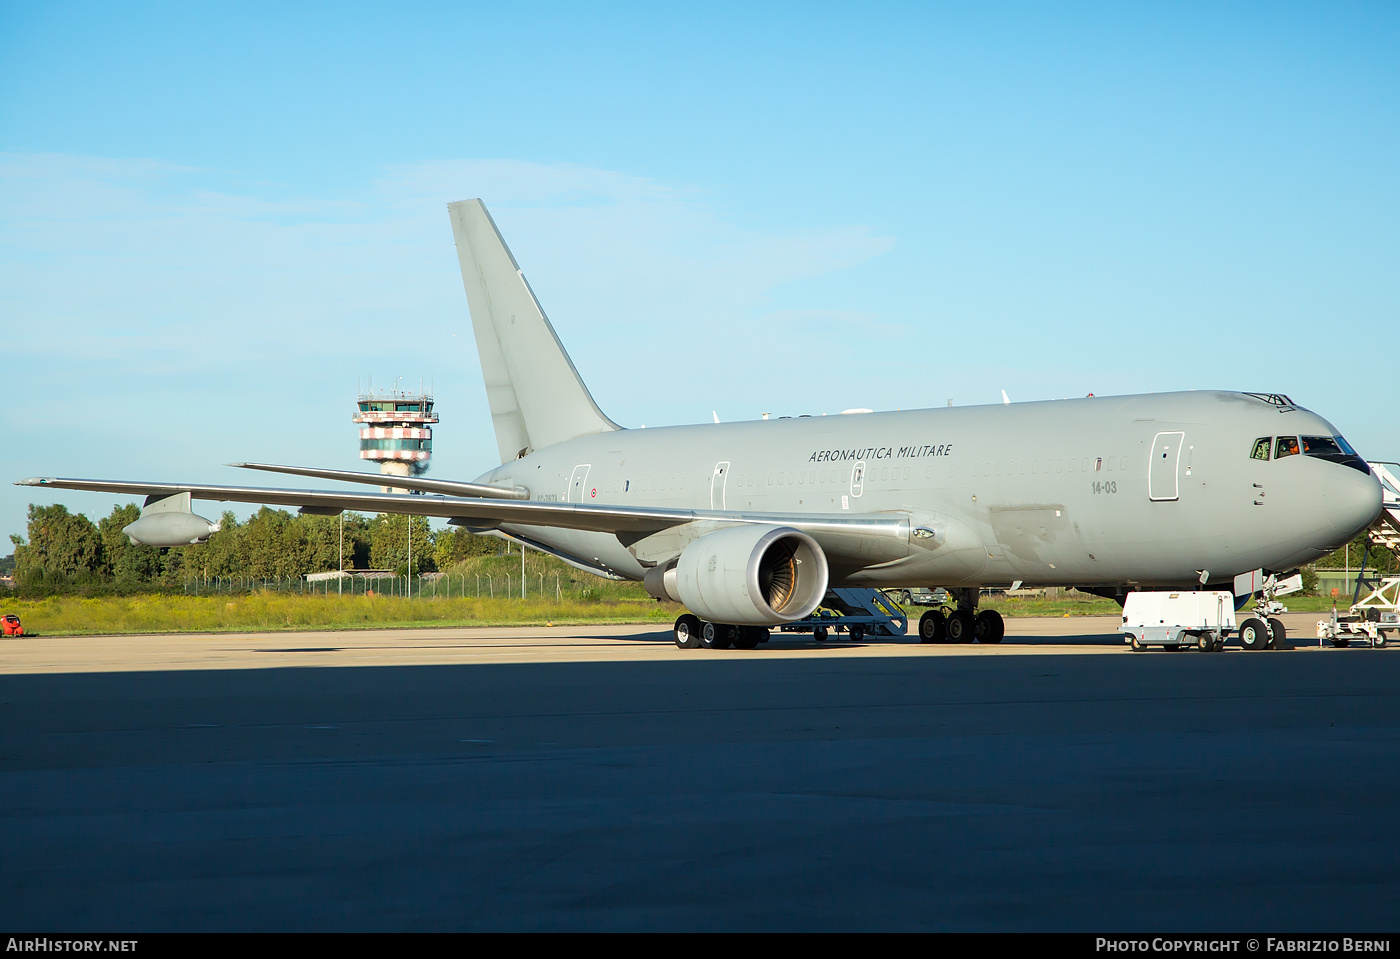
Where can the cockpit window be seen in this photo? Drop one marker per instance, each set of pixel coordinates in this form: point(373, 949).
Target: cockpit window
point(1323, 446)
point(1286, 446)
point(1334, 449)
point(1261, 448)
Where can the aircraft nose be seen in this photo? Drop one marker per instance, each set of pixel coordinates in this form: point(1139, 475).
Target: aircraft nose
point(1353, 500)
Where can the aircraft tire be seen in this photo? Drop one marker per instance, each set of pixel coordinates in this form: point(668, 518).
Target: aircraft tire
point(748, 637)
point(960, 627)
point(1278, 636)
point(687, 631)
point(989, 626)
point(933, 628)
point(1254, 634)
point(717, 636)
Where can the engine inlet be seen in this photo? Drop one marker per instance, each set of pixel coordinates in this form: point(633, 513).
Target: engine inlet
point(777, 574)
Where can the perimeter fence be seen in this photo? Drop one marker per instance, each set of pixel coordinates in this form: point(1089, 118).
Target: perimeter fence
point(424, 586)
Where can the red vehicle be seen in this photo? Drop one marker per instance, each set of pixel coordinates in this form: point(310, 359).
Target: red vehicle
point(9, 625)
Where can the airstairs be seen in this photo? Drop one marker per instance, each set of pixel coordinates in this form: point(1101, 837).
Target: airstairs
point(858, 612)
point(1377, 615)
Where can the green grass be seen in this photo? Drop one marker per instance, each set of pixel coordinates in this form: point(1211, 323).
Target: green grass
point(556, 593)
point(1071, 604)
point(267, 611)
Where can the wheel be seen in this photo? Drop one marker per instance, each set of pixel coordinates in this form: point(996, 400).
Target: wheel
point(1381, 639)
point(989, 626)
point(857, 633)
point(933, 628)
point(747, 637)
point(1206, 642)
point(687, 630)
point(1136, 643)
point(1278, 636)
point(819, 634)
point(905, 599)
point(717, 636)
point(960, 627)
point(1254, 634)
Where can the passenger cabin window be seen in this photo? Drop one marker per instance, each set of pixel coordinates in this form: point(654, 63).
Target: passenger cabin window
point(1261, 448)
point(1286, 446)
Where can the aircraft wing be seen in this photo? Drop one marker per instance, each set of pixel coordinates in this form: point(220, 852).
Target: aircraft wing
point(492, 512)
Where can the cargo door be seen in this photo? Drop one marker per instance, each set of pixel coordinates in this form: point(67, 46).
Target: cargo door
point(1162, 481)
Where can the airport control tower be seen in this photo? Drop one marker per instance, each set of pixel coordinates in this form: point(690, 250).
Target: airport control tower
point(396, 431)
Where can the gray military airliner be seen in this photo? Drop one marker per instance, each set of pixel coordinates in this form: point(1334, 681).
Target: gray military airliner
point(749, 524)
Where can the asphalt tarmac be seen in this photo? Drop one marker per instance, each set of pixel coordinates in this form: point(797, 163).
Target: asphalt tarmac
point(601, 779)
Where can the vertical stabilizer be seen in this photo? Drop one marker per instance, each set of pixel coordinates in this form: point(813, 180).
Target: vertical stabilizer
point(537, 398)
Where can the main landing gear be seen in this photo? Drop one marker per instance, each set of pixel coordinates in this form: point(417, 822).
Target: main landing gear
point(962, 625)
point(691, 633)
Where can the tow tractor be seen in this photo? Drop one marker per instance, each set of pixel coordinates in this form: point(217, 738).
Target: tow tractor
point(1378, 615)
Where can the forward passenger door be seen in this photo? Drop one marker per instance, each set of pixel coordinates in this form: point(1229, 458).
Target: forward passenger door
point(1162, 477)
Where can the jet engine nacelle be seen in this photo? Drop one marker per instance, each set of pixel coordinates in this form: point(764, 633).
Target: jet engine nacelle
point(168, 521)
point(749, 576)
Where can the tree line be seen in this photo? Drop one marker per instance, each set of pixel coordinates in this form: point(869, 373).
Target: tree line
point(67, 552)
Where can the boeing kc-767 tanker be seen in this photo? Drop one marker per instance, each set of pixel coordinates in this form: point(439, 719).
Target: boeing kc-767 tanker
point(748, 525)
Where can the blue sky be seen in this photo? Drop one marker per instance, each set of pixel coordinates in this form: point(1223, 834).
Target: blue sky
point(213, 223)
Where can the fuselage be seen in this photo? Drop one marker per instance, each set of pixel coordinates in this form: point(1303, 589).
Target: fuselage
point(1148, 489)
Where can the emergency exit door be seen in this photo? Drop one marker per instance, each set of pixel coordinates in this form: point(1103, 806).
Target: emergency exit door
point(718, 481)
point(577, 484)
